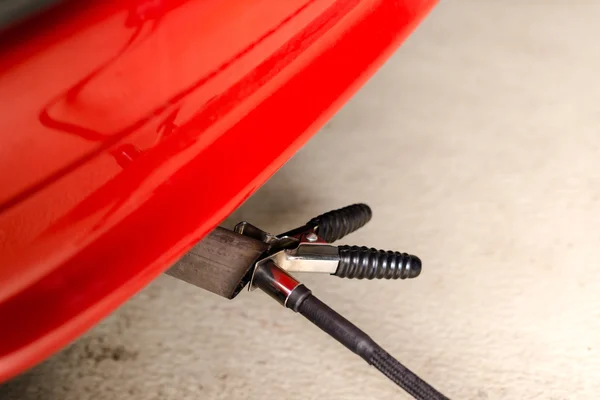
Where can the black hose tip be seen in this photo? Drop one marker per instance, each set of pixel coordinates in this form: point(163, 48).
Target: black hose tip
point(414, 267)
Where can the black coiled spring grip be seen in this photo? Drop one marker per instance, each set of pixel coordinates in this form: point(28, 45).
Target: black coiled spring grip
point(362, 262)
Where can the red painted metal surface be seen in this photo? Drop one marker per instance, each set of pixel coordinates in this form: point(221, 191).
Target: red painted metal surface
point(130, 129)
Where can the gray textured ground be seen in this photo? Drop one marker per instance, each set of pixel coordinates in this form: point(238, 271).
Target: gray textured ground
point(478, 147)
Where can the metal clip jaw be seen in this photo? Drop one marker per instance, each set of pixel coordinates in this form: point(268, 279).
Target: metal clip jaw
point(307, 257)
point(304, 252)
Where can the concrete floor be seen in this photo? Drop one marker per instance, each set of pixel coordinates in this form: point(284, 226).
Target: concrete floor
point(478, 147)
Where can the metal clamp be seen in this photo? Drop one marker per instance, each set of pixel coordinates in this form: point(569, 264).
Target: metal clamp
point(304, 252)
point(304, 249)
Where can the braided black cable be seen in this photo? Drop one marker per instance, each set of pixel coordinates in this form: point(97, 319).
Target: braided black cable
point(304, 302)
point(403, 377)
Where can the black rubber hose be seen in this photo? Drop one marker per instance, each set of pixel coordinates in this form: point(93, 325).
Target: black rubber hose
point(302, 301)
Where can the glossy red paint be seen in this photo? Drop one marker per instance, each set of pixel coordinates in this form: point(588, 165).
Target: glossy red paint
point(131, 129)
